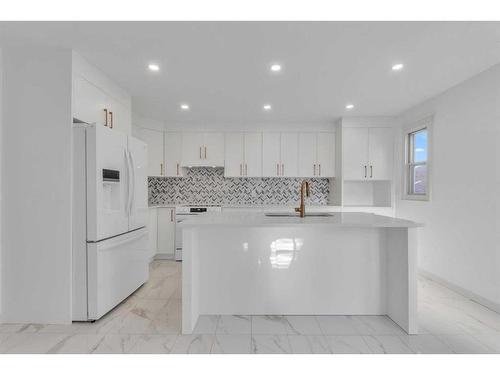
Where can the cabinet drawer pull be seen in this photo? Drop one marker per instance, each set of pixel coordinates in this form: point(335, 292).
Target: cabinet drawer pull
point(241, 170)
point(205, 152)
point(371, 171)
point(161, 169)
point(277, 169)
point(365, 171)
point(111, 119)
point(105, 117)
point(314, 172)
point(282, 169)
point(171, 215)
point(200, 152)
point(177, 169)
point(246, 169)
point(319, 170)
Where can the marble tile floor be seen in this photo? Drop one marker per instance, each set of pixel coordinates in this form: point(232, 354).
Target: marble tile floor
point(149, 321)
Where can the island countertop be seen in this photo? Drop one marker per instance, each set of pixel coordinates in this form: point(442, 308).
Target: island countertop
point(337, 219)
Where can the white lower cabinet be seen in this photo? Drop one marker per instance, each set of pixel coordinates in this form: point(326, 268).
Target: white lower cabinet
point(153, 231)
point(166, 232)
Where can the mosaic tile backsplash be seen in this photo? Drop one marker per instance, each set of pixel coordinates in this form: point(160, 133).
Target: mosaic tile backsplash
point(209, 186)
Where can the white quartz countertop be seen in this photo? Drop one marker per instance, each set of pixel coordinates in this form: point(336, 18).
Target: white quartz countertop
point(338, 219)
point(257, 206)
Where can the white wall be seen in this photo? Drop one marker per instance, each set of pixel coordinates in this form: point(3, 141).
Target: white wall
point(36, 175)
point(460, 241)
point(1, 195)
point(141, 121)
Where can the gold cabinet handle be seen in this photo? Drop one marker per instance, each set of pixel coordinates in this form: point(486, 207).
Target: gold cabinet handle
point(365, 171)
point(371, 171)
point(241, 169)
point(177, 169)
point(161, 169)
point(105, 117)
point(111, 118)
point(277, 169)
point(205, 152)
point(314, 173)
point(319, 170)
point(171, 215)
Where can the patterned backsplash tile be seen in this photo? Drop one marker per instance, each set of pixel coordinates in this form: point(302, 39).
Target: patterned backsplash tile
point(209, 186)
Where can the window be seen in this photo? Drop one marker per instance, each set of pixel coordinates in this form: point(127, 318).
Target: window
point(417, 154)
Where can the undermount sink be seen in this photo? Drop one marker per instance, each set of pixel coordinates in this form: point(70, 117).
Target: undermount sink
point(296, 214)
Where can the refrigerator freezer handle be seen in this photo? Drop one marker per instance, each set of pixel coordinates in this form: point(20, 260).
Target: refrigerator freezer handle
point(114, 242)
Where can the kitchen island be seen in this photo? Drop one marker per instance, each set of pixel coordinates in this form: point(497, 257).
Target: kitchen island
point(340, 264)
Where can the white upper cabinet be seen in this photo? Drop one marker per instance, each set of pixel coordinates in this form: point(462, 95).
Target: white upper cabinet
point(203, 149)
point(380, 153)
point(234, 155)
point(213, 149)
point(89, 102)
point(307, 155)
point(192, 149)
point(271, 155)
point(367, 153)
point(289, 154)
point(243, 155)
point(325, 161)
point(92, 105)
point(173, 154)
point(355, 153)
point(154, 140)
point(280, 154)
point(119, 116)
point(253, 154)
point(316, 155)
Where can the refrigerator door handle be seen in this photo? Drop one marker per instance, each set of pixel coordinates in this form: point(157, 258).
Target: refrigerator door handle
point(132, 168)
point(127, 196)
point(129, 189)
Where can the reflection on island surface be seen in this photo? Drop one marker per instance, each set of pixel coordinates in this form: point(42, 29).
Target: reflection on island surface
point(284, 251)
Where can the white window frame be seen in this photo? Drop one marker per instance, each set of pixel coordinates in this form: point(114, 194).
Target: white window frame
point(424, 124)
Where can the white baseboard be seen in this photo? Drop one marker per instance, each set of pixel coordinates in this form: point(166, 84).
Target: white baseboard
point(464, 292)
point(164, 257)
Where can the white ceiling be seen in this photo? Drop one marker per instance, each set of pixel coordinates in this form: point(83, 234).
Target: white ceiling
point(222, 68)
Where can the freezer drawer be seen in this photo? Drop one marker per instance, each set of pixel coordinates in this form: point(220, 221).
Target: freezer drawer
point(116, 268)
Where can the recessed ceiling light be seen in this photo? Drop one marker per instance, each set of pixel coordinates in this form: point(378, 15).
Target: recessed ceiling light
point(267, 107)
point(154, 67)
point(349, 106)
point(398, 66)
point(275, 68)
point(185, 107)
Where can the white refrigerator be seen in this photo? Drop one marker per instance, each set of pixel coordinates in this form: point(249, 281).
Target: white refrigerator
point(110, 213)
